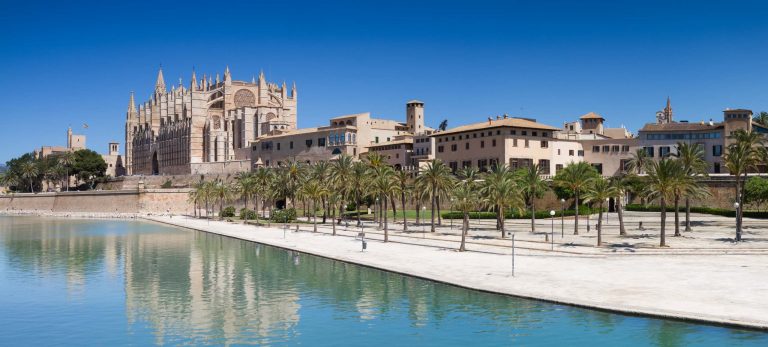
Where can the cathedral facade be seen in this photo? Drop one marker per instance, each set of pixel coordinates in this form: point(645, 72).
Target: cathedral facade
point(206, 126)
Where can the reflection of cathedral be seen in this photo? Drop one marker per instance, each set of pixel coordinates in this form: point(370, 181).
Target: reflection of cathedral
point(199, 128)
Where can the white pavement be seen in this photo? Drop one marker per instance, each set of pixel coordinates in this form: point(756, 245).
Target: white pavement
point(726, 289)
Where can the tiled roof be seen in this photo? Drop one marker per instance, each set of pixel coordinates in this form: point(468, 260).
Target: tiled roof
point(509, 122)
point(591, 115)
point(677, 126)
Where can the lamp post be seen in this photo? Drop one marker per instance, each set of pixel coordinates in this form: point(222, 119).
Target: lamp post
point(552, 218)
point(375, 209)
point(562, 218)
point(588, 214)
point(607, 203)
point(738, 221)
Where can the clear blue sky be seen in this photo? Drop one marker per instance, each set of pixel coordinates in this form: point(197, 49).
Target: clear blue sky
point(72, 63)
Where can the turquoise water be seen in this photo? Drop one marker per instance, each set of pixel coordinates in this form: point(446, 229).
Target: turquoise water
point(87, 282)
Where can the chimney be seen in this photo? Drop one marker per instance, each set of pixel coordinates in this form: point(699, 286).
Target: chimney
point(506, 116)
point(490, 120)
point(498, 117)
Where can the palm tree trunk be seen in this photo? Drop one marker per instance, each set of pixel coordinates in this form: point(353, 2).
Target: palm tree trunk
point(662, 236)
point(738, 190)
point(600, 225)
point(576, 220)
point(357, 206)
point(325, 210)
point(386, 226)
point(314, 215)
point(464, 229)
point(245, 206)
point(687, 214)
point(333, 219)
point(405, 221)
point(432, 227)
point(500, 217)
point(622, 231)
point(677, 215)
point(533, 216)
point(439, 217)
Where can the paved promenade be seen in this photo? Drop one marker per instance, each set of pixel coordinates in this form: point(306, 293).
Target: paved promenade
point(718, 285)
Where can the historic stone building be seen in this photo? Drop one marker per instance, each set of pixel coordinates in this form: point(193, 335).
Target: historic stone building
point(206, 127)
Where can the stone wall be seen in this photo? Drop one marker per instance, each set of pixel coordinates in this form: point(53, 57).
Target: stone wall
point(147, 201)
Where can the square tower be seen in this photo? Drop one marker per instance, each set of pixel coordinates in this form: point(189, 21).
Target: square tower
point(414, 111)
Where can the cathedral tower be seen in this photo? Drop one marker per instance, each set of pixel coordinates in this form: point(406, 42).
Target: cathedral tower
point(414, 112)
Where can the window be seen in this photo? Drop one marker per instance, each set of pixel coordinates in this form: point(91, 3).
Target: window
point(498, 132)
point(309, 143)
point(534, 133)
point(514, 142)
point(466, 145)
point(513, 132)
point(490, 133)
point(596, 149)
point(615, 148)
point(545, 134)
point(278, 146)
point(524, 132)
point(717, 168)
point(526, 143)
point(474, 136)
point(625, 148)
point(376, 139)
point(664, 151)
point(717, 150)
point(453, 147)
point(482, 164)
point(606, 148)
point(466, 163)
point(454, 166)
point(482, 144)
point(598, 167)
point(493, 143)
point(544, 165)
point(558, 151)
point(440, 149)
point(649, 151)
point(321, 142)
point(581, 153)
point(558, 168)
point(570, 152)
point(544, 144)
point(290, 145)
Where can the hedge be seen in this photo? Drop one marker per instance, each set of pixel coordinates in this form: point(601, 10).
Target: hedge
point(228, 211)
point(284, 216)
point(247, 214)
point(583, 210)
point(698, 209)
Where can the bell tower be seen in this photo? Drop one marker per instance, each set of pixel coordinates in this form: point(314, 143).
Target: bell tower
point(414, 114)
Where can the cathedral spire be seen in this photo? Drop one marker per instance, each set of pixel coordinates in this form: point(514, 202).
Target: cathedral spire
point(293, 90)
point(131, 104)
point(160, 84)
point(193, 84)
point(668, 110)
point(218, 79)
point(227, 76)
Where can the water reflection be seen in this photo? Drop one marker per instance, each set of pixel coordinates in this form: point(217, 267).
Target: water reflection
point(182, 287)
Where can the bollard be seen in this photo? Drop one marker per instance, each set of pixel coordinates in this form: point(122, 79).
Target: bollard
point(640, 227)
point(365, 246)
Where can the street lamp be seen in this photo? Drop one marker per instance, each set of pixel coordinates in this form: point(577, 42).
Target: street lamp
point(423, 232)
point(608, 203)
point(562, 218)
point(738, 221)
point(552, 218)
point(375, 209)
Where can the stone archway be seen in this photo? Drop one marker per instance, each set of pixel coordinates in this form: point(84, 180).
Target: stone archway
point(155, 164)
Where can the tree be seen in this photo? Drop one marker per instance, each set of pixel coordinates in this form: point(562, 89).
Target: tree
point(500, 191)
point(321, 171)
point(29, 172)
point(600, 191)
point(246, 189)
point(88, 165)
point(622, 184)
point(262, 179)
point(576, 177)
point(761, 118)
point(403, 180)
point(691, 157)
point(437, 177)
point(661, 183)
point(742, 156)
point(221, 191)
point(294, 173)
point(533, 187)
point(67, 160)
point(465, 199)
point(315, 191)
point(341, 174)
point(756, 191)
point(638, 162)
point(359, 180)
point(384, 185)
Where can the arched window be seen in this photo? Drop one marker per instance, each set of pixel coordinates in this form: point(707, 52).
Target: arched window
point(336, 151)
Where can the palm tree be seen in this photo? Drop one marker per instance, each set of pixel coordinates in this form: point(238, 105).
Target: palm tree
point(761, 118)
point(221, 191)
point(294, 173)
point(500, 192)
point(29, 172)
point(529, 179)
point(195, 196)
point(358, 179)
point(384, 185)
point(403, 180)
point(314, 190)
point(661, 181)
point(742, 156)
point(341, 173)
point(246, 189)
point(622, 184)
point(599, 191)
point(638, 162)
point(691, 156)
point(468, 174)
point(437, 177)
point(465, 199)
point(321, 173)
point(576, 177)
point(262, 179)
point(67, 159)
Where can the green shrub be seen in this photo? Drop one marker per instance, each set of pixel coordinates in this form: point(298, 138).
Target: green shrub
point(167, 184)
point(515, 214)
point(284, 216)
point(247, 214)
point(698, 209)
point(228, 211)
